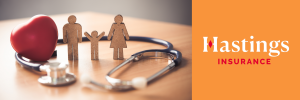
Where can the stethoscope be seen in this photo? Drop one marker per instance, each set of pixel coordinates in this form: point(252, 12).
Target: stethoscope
point(57, 75)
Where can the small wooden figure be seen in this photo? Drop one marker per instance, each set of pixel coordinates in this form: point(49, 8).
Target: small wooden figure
point(94, 43)
point(118, 42)
point(72, 35)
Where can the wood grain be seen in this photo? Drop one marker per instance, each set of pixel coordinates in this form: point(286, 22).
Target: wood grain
point(72, 35)
point(19, 84)
point(94, 38)
point(117, 32)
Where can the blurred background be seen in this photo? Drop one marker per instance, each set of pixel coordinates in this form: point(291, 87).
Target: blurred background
point(174, 11)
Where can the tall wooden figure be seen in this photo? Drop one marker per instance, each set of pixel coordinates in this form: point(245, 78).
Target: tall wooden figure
point(118, 42)
point(94, 43)
point(72, 35)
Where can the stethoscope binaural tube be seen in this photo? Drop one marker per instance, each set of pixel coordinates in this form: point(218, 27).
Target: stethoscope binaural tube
point(178, 54)
point(140, 82)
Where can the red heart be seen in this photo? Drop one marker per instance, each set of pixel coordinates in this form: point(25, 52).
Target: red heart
point(35, 39)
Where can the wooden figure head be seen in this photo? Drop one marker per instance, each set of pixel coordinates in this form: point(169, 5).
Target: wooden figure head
point(119, 19)
point(94, 34)
point(72, 19)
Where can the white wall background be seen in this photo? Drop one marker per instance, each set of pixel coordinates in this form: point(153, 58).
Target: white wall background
point(175, 11)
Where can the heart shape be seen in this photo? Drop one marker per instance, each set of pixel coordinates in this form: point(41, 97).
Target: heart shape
point(35, 39)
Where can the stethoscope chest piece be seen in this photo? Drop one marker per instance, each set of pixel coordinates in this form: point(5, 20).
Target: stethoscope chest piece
point(68, 79)
point(56, 75)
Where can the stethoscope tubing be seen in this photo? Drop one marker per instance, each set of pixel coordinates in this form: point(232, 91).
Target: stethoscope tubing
point(136, 38)
point(169, 48)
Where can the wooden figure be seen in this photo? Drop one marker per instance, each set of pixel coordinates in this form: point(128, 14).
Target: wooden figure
point(118, 42)
point(94, 43)
point(72, 35)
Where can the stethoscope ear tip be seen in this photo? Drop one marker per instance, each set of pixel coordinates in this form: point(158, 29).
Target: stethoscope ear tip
point(85, 79)
point(139, 82)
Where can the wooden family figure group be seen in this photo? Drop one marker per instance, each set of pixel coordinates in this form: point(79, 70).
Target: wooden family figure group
point(72, 34)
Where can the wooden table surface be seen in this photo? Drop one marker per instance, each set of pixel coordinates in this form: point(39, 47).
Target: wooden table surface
point(18, 83)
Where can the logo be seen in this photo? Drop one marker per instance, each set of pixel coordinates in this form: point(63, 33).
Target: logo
point(234, 46)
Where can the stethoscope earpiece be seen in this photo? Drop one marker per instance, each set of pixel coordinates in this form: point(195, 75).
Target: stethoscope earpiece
point(85, 79)
point(139, 83)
